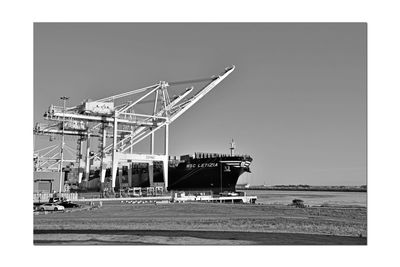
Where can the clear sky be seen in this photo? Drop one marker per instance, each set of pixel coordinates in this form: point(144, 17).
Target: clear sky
point(296, 102)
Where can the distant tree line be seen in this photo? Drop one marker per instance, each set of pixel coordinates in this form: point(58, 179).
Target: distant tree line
point(302, 187)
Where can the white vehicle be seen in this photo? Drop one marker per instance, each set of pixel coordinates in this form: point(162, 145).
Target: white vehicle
point(51, 206)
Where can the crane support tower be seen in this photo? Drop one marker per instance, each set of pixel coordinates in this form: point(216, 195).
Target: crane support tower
point(114, 118)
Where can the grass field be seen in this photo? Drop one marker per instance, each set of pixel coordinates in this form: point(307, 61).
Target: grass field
point(201, 223)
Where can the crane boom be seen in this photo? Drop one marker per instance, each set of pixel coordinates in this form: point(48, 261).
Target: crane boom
point(116, 117)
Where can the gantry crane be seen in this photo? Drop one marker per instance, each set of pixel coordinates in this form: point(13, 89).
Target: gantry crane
point(115, 118)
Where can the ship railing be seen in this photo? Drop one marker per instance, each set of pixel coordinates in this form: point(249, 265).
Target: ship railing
point(201, 155)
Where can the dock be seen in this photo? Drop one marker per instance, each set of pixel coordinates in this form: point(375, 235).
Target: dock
point(175, 199)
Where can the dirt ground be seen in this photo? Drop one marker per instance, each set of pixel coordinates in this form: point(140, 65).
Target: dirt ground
point(203, 224)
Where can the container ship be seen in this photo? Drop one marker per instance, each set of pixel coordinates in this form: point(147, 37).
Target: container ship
point(197, 172)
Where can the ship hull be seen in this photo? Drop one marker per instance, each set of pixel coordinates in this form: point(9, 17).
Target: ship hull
point(216, 174)
point(206, 174)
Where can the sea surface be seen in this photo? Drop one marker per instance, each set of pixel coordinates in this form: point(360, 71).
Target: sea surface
point(311, 198)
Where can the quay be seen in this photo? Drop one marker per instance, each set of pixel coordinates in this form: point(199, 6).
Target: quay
point(175, 199)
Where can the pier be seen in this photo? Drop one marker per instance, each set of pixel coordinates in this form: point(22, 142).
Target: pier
point(175, 199)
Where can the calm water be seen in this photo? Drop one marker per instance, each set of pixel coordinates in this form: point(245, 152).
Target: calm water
point(310, 198)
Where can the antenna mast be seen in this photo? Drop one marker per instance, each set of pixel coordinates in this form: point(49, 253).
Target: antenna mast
point(232, 148)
